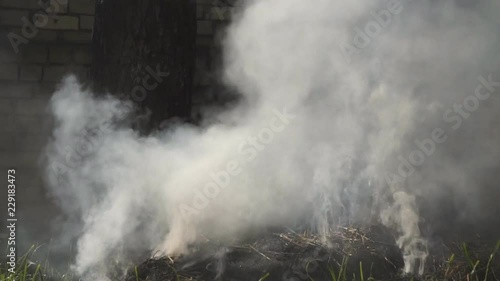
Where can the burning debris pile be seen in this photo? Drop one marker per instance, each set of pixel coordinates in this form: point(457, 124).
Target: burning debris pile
point(350, 254)
point(283, 256)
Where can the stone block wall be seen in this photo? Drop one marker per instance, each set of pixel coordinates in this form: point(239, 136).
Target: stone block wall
point(40, 42)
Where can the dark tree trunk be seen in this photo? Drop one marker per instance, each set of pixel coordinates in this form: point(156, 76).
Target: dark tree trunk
point(144, 50)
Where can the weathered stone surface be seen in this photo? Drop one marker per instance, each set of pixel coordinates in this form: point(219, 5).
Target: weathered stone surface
point(13, 17)
point(61, 54)
point(56, 22)
point(30, 73)
point(82, 6)
point(86, 22)
point(8, 71)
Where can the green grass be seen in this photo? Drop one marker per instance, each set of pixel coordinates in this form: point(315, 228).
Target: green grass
point(469, 268)
point(464, 264)
point(28, 270)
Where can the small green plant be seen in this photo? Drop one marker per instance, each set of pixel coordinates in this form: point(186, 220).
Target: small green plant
point(342, 271)
point(28, 270)
point(492, 257)
point(449, 265)
point(472, 265)
point(361, 276)
point(264, 277)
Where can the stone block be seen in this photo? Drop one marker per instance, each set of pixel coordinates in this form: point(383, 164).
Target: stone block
point(82, 6)
point(30, 73)
point(56, 22)
point(8, 71)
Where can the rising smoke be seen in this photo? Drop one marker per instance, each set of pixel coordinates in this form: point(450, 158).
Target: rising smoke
point(351, 112)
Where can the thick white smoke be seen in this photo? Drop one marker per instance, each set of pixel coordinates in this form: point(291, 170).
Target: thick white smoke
point(353, 112)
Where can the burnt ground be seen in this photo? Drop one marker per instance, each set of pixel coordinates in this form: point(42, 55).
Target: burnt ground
point(351, 254)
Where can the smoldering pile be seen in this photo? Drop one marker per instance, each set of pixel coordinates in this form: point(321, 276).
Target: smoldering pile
point(283, 256)
point(347, 253)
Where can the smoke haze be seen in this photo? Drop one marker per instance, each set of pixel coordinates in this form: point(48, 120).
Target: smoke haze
point(351, 112)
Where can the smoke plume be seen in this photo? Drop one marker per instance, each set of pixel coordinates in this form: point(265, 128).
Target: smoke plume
point(351, 112)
